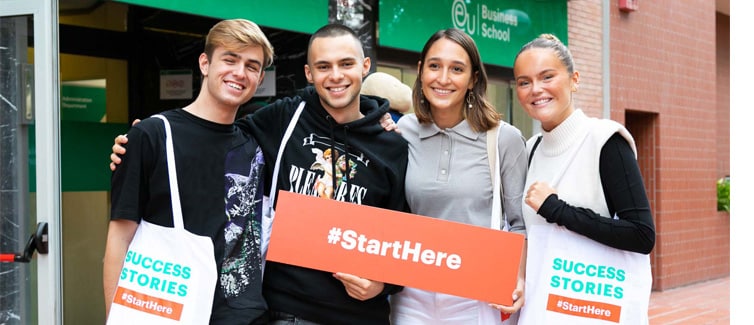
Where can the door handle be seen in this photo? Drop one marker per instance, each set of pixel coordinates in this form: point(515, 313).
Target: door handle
point(37, 241)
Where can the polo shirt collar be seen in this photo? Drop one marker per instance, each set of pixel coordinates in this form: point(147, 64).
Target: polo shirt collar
point(427, 130)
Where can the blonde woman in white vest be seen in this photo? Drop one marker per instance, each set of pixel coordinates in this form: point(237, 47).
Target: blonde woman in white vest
point(583, 192)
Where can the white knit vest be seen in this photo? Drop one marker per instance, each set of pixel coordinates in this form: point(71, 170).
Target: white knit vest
point(568, 158)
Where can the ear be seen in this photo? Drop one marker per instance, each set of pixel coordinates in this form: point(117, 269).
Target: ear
point(308, 73)
point(473, 80)
point(261, 77)
point(204, 64)
point(575, 82)
point(367, 66)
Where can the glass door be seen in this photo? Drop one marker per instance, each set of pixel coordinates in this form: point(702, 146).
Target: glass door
point(30, 241)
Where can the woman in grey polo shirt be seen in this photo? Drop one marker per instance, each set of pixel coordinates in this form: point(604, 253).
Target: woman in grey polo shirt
point(448, 175)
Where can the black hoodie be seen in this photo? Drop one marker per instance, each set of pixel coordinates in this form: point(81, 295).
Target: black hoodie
point(374, 176)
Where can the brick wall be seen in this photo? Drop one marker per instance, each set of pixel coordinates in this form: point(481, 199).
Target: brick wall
point(669, 67)
point(663, 62)
point(585, 43)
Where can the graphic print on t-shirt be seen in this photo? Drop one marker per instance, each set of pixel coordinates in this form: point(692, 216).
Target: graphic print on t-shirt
point(241, 268)
point(319, 178)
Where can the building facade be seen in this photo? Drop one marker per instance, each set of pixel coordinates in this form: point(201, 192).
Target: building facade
point(659, 67)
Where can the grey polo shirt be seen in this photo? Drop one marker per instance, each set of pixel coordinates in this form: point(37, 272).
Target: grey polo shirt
point(448, 174)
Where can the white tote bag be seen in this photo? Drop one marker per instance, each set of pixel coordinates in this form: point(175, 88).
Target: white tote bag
point(571, 279)
point(169, 274)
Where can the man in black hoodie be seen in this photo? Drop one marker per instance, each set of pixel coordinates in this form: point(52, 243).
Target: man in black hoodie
point(338, 150)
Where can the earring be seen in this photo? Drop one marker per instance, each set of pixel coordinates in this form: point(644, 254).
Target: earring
point(470, 99)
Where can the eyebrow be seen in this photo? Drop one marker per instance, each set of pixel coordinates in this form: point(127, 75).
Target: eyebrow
point(460, 62)
point(539, 73)
point(346, 59)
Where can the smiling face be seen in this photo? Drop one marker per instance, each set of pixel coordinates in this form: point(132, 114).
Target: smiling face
point(231, 77)
point(336, 66)
point(446, 76)
point(544, 87)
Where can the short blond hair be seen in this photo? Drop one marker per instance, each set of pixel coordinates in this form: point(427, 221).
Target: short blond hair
point(237, 34)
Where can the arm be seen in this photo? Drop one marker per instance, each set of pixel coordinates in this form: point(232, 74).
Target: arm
point(246, 124)
point(513, 167)
point(625, 195)
point(119, 236)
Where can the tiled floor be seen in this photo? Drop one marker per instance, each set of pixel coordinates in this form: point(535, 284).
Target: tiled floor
point(702, 303)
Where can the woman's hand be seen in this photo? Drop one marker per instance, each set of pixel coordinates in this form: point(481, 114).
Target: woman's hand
point(537, 194)
point(518, 300)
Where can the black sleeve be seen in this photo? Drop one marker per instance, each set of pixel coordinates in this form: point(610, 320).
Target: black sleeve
point(390, 289)
point(622, 184)
point(267, 126)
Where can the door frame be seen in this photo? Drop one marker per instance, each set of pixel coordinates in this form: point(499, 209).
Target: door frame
point(47, 133)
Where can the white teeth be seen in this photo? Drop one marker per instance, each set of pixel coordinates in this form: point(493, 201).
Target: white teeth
point(541, 101)
point(234, 86)
point(443, 91)
point(338, 89)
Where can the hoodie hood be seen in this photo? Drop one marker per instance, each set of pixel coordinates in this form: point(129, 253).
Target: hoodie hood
point(372, 107)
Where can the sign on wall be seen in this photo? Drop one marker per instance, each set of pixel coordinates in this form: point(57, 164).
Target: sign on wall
point(83, 100)
point(499, 27)
point(267, 87)
point(176, 84)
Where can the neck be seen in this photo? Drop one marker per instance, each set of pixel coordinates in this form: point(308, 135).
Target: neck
point(445, 119)
point(212, 111)
point(345, 115)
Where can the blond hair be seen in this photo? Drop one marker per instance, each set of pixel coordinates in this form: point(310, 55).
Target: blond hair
point(550, 41)
point(237, 34)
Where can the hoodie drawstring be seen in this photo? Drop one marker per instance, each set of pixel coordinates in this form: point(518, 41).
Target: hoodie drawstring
point(347, 180)
point(333, 158)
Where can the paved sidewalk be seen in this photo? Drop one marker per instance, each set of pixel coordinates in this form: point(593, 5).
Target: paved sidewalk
point(702, 303)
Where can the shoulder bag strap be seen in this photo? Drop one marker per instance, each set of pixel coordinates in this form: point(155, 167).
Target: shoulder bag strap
point(494, 161)
point(286, 136)
point(175, 198)
point(534, 147)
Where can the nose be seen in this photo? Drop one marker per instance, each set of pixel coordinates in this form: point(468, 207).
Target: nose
point(444, 76)
point(536, 86)
point(336, 73)
point(239, 71)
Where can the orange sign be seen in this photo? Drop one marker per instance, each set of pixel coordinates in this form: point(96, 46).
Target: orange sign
point(148, 304)
point(396, 247)
point(583, 308)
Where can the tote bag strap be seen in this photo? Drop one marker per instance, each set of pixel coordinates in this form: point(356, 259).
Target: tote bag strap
point(286, 136)
point(534, 147)
point(175, 199)
point(494, 161)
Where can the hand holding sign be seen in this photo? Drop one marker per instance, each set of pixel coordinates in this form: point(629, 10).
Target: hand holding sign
point(359, 288)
